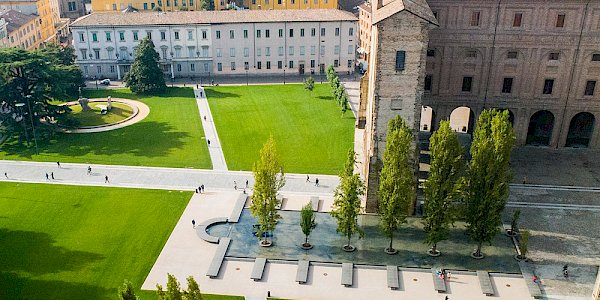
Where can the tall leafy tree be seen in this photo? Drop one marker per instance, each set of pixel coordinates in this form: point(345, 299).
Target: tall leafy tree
point(488, 176)
point(193, 290)
point(126, 292)
point(397, 181)
point(307, 223)
point(35, 79)
point(346, 203)
point(330, 72)
point(145, 75)
point(269, 179)
point(309, 83)
point(173, 291)
point(443, 187)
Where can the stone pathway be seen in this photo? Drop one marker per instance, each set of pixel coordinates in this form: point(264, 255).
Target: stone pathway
point(353, 90)
point(210, 131)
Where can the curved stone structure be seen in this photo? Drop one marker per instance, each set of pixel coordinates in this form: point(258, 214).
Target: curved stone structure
point(140, 112)
point(203, 234)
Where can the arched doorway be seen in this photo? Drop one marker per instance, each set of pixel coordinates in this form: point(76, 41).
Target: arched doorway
point(580, 130)
point(427, 119)
point(540, 128)
point(462, 119)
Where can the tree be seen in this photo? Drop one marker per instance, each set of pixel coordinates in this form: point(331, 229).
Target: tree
point(513, 223)
point(346, 204)
point(269, 179)
point(339, 93)
point(307, 223)
point(335, 82)
point(330, 72)
point(173, 291)
point(309, 84)
point(193, 291)
point(488, 176)
point(207, 5)
point(145, 76)
point(126, 291)
point(443, 187)
point(36, 78)
point(523, 243)
point(396, 179)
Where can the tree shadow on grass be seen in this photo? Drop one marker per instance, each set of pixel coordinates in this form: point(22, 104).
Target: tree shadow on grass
point(144, 139)
point(36, 254)
point(212, 93)
point(13, 286)
point(325, 97)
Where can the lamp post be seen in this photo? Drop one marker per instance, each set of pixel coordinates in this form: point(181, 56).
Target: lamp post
point(284, 74)
point(32, 125)
point(246, 76)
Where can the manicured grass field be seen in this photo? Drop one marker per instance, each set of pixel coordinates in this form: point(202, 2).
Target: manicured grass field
point(94, 116)
point(73, 242)
point(311, 134)
point(171, 136)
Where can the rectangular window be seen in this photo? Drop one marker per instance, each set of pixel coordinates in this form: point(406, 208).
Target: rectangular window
point(548, 86)
point(467, 83)
point(204, 34)
point(218, 34)
point(219, 67)
point(279, 65)
point(431, 52)
point(268, 65)
point(112, 69)
point(246, 52)
point(219, 54)
point(99, 69)
point(267, 33)
point(507, 85)
point(291, 50)
point(204, 51)
point(231, 34)
point(553, 56)
point(400, 59)
point(245, 33)
point(336, 50)
point(291, 64)
point(231, 52)
point(512, 55)
point(114, 6)
point(322, 50)
point(258, 51)
point(176, 35)
point(149, 34)
point(312, 63)
point(590, 86)
point(175, 3)
point(351, 31)
point(322, 31)
point(177, 52)
point(94, 37)
point(427, 83)
point(232, 66)
point(163, 35)
point(193, 67)
point(349, 63)
point(475, 18)
point(183, 3)
point(301, 32)
point(145, 6)
point(191, 51)
point(596, 57)
point(83, 53)
point(97, 53)
point(267, 51)
point(190, 35)
point(350, 49)
point(517, 19)
point(336, 63)
point(291, 32)
point(259, 65)
point(313, 50)
point(560, 20)
point(280, 51)
point(205, 67)
point(164, 53)
point(280, 32)
point(109, 53)
point(135, 36)
point(302, 50)
point(246, 65)
point(337, 31)
point(258, 33)
point(313, 31)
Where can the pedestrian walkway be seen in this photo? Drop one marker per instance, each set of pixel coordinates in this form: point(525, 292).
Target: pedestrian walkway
point(153, 177)
point(353, 90)
point(210, 131)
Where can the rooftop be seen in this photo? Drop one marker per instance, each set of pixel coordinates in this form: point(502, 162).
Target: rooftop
point(213, 17)
point(14, 19)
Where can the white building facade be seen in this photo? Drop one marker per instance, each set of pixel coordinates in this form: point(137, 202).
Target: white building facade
point(208, 44)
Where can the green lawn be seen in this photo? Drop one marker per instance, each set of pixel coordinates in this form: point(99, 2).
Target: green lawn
point(311, 134)
point(94, 117)
point(73, 242)
point(171, 136)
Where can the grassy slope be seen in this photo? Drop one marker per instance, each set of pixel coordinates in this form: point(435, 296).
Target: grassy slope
point(67, 242)
point(171, 136)
point(311, 134)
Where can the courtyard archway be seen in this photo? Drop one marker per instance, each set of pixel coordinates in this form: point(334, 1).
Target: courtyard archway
point(580, 130)
point(462, 119)
point(540, 128)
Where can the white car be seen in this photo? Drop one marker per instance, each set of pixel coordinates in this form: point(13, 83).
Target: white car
point(105, 81)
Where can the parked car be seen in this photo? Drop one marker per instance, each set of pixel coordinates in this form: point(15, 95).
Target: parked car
point(105, 81)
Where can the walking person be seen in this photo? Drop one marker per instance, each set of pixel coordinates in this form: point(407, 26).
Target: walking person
point(246, 183)
point(47, 177)
point(106, 179)
point(202, 186)
point(317, 182)
point(52, 175)
point(6, 175)
point(307, 178)
point(204, 118)
point(89, 170)
point(235, 185)
point(200, 189)
point(208, 142)
point(193, 223)
point(58, 164)
point(196, 190)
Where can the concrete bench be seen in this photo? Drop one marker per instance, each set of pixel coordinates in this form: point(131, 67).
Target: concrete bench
point(392, 277)
point(302, 273)
point(314, 202)
point(438, 283)
point(347, 274)
point(486, 283)
point(203, 234)
point(217, 261)
point(258, 269)
point(237, 209)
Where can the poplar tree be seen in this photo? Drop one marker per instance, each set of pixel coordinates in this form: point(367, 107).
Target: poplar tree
point(488, 176)
point(145, 76)
point(269, 179)
point(443, 187)
point(397, 181)
point(126, 291)
point(307, 223)
point(346, 203)
point(193, 290)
